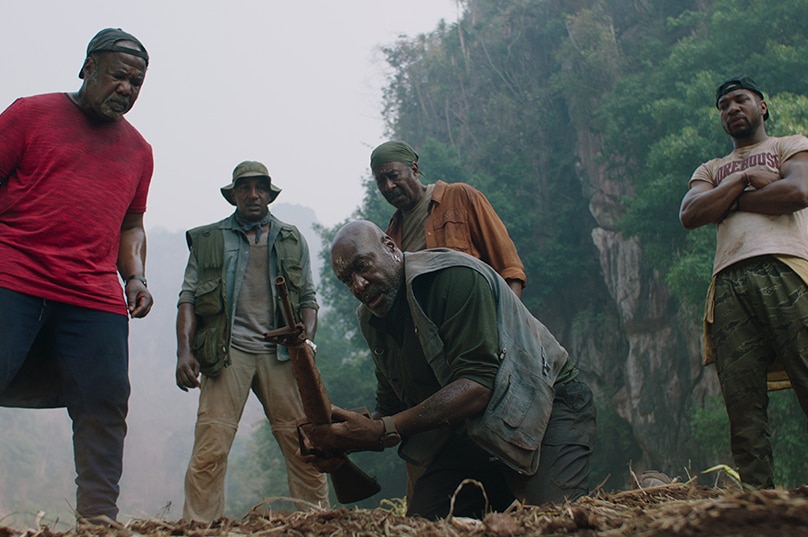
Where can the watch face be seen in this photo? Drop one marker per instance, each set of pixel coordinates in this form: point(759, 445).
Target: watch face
point(391, 436)
point(391, 439)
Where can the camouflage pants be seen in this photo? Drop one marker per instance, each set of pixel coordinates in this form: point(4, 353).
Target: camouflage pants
point(761, 313)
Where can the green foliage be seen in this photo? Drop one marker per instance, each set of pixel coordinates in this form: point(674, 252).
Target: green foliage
point(788, 114)
point(592, 57)
point(677, 125)
point(689, 275)
point(473, 100)
point(787, 422)
point(710, 427)
point(519, 95)
point(337, 319)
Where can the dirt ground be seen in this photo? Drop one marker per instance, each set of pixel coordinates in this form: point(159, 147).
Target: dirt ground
point(666, 510)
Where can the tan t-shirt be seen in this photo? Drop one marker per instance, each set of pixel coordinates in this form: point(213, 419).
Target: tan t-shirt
point(254, 313)
point(745, 234)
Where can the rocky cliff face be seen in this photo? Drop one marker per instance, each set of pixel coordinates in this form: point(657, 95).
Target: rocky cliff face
point(648, 367)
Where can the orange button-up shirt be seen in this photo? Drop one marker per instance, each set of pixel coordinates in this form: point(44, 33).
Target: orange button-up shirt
point(462, 218)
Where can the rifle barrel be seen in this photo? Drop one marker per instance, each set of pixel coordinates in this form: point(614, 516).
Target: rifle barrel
point(286, 304)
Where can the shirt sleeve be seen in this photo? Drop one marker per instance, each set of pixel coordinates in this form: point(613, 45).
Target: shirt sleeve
point(308, 296)
point(189, 281)
point(461, 304)
point(138, 204)
point(703, 174)
point(492, 240)
point(791, 145)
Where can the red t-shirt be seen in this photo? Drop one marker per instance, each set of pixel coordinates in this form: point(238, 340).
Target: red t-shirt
point(66, 183)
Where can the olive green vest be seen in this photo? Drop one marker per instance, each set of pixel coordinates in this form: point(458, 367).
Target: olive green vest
point(211, 342)
point(212, 337)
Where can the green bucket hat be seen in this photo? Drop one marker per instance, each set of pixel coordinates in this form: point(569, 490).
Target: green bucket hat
point(249, 168)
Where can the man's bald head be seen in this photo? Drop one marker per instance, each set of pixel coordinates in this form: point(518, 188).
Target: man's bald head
point(369, 263)
point(356, 232)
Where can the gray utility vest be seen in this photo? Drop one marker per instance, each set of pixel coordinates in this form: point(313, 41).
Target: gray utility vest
point(513, 424)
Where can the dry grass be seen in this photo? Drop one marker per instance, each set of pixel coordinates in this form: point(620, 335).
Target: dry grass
point(678, 509)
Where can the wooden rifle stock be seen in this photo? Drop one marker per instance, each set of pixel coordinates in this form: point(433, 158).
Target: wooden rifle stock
point(350, 482)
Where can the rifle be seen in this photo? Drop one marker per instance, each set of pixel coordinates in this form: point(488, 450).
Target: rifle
point(350, 482)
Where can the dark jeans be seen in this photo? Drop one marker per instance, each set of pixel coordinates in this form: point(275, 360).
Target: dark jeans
point(563, 468)
point(88, 350)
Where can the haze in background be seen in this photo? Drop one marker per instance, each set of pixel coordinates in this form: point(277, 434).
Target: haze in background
point(296, 85)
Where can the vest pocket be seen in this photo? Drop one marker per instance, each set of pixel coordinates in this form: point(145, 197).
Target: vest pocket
point(513, 424)
point(209, 298)
point(209, 346)
point(208, 349)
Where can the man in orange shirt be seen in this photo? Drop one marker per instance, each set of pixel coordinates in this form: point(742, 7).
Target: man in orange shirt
point(456, 215)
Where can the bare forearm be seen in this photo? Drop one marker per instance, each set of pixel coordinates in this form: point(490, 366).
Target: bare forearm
point(187, 373)
point(778, 193)
point(186, 327)
point(132, 262)
point(704, 205)
point(132, 252)
point(452, 404)
point(309, 317)
point(779, 197)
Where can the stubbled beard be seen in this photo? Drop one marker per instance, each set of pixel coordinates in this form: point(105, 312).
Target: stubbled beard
point(749, 129)
point(118, 108)
point(388, 296)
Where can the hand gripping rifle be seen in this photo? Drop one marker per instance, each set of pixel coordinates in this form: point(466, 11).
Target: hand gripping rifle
point(350, 482)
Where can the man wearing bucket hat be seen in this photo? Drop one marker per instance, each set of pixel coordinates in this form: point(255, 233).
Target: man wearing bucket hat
point(449, 215)
point(756, 317)
point(74, 179)
point(226, 305)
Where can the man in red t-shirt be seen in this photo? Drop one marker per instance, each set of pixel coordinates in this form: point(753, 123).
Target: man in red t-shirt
point(74, 177)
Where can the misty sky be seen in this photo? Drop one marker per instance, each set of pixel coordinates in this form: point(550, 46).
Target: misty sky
point(294, 83)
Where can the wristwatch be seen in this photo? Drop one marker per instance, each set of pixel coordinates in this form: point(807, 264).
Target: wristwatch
point(137, 277)
point(390, 437)
point(312, 346)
